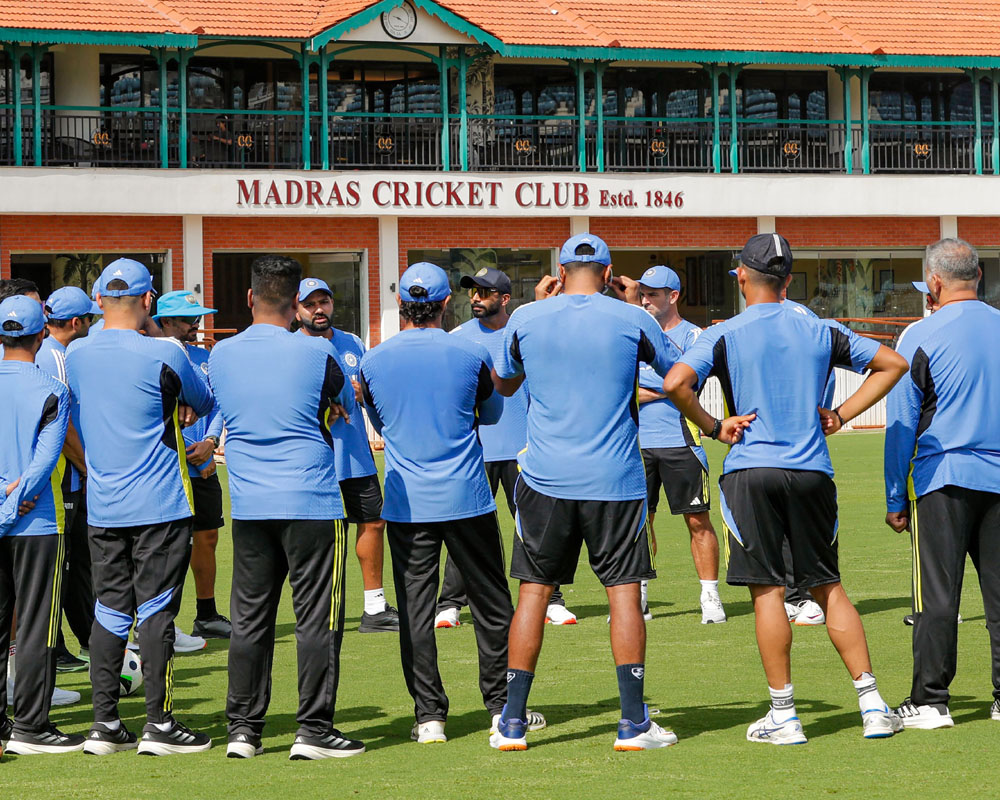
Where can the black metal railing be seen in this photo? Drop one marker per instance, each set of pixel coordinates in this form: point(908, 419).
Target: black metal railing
point(385, 142)
point(515, 144)
point(104, 138)
point(790, 146)
point(244, 139)
point(653, 146)
point(947, 148)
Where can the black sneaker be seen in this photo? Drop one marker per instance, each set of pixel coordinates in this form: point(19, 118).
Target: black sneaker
point(908, 619)
point(178, 739)
point(104, 742)
point(51, 740)
point(331, 745)
point(67, 662)
point(244, 745)
point(217, 627)
point(386, 621)
point(6, 729)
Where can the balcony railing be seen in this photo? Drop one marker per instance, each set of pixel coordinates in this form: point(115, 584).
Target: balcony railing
point(209, 138)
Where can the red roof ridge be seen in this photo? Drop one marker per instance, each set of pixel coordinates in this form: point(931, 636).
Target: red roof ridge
point(841, 27)
point(161, 8)
point(577, 21)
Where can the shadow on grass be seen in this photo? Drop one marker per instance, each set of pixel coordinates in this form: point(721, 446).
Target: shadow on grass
point(873, 605)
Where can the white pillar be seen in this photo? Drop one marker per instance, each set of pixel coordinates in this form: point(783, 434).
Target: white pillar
point(77, 75)
point(579, 225)
point(766, 225)
point(949, 228)
point(194, 255)
point(388, 273)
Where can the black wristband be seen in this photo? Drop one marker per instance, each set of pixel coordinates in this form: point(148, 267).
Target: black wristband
point(716, 429)
point(837, 412)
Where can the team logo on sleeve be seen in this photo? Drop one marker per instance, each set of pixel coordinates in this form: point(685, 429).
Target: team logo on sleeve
point(350, 359)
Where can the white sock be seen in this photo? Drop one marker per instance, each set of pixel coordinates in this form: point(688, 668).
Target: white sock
point(709, 587)
point(869, 698)
point(643, 593)
point(163, 727)
point(111, 726)
point(782, 703)
point(374, 601)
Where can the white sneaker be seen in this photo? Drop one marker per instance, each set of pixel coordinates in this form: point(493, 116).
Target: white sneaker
point(447, 618)
point(995, 711)
point(810, 614)
point(535, 722)
point(187, 644)
point(792, 610)
point(881, 723)
point(767, 730)
point(646, 735)
point(711, 609)
point(63, 697)
point(430, 732)
point(557, 614)
point(924, 717)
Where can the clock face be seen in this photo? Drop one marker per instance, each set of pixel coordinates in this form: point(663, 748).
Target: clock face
point(400, 22)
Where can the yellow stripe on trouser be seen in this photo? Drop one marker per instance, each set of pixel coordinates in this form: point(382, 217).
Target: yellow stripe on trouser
point(55, 609)
point(168, 695)
point(340, 545)
point(182, 459)
point(918, 600)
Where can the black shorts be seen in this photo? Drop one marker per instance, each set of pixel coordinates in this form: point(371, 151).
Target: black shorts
point(551, 530)
point(683, 477)
point(761, 508)
point(362, 499)
point(207, 503)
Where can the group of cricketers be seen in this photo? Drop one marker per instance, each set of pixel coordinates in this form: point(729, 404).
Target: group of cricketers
point(582, 405)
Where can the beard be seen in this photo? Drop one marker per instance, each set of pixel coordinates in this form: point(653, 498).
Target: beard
point(318, 327)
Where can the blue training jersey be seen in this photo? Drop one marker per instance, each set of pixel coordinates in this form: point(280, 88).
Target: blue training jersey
point(941, 416)
point(274, 389)
point(210, 425)
point(352, 451)
point(580, 356)
point(661, 425)
point(775, 361)
point(426, 392)
point(51, 359)
point(831, 385)
point(32, 432)
point(503, 441)
point(129, 387)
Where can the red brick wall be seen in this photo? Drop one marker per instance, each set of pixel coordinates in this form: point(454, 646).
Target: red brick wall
point(655, 232)
point(859, 232)
point(528, 232)
point(301, 233)
point(93, 234)
point(980, 231)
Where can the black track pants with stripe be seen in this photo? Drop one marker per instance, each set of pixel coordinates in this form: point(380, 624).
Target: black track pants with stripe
point(948, 524)
point(78, 581)
point(312, 554)
point(30, 570)
point(138, 572)
point(475, 546)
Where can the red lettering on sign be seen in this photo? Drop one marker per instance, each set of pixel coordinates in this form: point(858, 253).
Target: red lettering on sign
point(313, 193)
point(273, 195)
point(453, 198)
point(293, 193)
point(493, 187)
point(430, 197)
point(475, 194)
point(377, 193)
point(402, 194)
point(581, 195)
point(248, 195)
point(518, 195)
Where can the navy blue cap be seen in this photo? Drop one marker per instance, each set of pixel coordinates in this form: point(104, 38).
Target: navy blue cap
point(21, 316)
point(769, 253)
point(309, 285)
point(181, 303)
point(601, 253)
point(134, 274)
point(69, 302)
point(661, 277)
point(920, 286)
point(487, 278)
point(424, 283)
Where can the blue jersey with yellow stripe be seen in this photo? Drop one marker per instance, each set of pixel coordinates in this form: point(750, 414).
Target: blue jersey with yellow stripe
point(129, 387)
point(210, 425)
point(352, 451)
point(32, 432)
point(51, 358)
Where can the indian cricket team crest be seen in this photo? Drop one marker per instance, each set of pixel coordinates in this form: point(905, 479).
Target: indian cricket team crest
point(481, 272)
point(311, 283)
point(191, 299)
point(204, 367)
point(649, 273)
point(350, 359)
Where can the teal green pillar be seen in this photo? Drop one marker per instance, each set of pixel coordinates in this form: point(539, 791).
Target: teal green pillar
point(18, 105)
point(977, 108)
point(845, 76)
point(36, 102)
point(995, 115)
point(445, 117)
point(716, 144)
point(182, 99)
point(306, 138)
point(866, 166)
point(734, 151)
point(599, 92)
point(164, 128)
point(463, 109)
point(581, 114)
point(324, 104)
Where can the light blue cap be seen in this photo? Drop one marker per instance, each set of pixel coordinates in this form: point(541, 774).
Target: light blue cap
point(430, 278)
point(21, 316)
point(309, 285)
point(920, 286)
point(134, 274)
point(601, 253)
point(181, 303)
point(661, 277)
point(69, 302)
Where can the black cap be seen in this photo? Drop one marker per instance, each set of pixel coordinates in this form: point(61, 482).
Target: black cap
point(768, 253)
point(487, 278)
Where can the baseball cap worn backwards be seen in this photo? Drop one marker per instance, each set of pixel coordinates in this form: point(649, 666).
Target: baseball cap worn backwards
point(601, 254)
point(487, 278)
point(424, 283)
point(769, 253)
point(135, 275)
point(69, 302)
point(309, 285)
point(20, 316)
point(181, 303)
point(660, 277)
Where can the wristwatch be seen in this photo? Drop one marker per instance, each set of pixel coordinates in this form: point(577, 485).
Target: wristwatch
point(214, 440)
point(716, 429)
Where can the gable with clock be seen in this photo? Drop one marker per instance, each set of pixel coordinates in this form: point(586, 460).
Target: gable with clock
point(400, 22)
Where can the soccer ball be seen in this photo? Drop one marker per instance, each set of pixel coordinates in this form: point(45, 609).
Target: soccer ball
point(131, 676)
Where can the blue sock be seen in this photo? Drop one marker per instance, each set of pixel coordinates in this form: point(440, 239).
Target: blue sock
point(631, 681)
point(518, 686)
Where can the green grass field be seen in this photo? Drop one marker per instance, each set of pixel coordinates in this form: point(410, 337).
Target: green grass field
point(706, 681)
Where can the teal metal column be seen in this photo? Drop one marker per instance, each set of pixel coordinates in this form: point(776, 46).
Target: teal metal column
point(866, 166)
point(716, 145)
point(18, 107)
point(182, 97)
point(581, 116)
point(995, 115)
point(599, 94)
point(463, 109)
point(324, 104)
point(845, 77)
point(164, 129)
point(445, 117)
point(734, 152)
point(977, 108)
point(36, 102)
point(306, 138)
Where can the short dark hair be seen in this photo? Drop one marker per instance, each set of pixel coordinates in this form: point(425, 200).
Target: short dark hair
point(274, 280)
point(17, 342)
point(125, 300)
point(765, 279)
point(418, 314)
point(15, 286)
point(62, 323)
point(584, 249)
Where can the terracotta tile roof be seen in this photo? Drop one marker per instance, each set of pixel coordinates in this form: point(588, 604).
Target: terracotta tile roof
point(895, 27)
